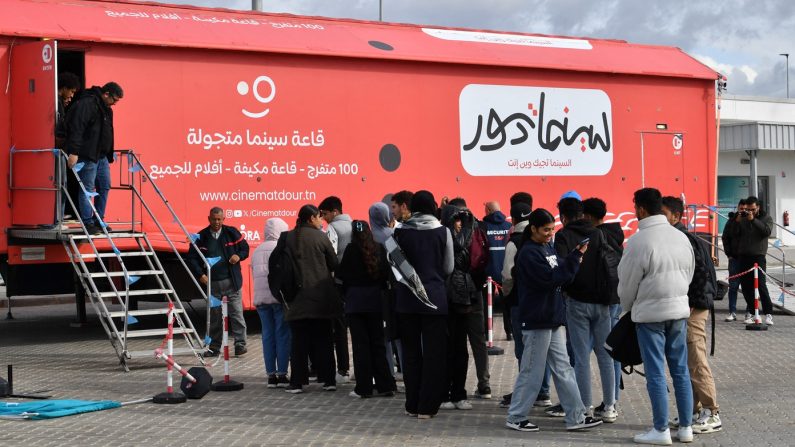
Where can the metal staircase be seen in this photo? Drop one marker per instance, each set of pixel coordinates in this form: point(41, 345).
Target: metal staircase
point(117, 265)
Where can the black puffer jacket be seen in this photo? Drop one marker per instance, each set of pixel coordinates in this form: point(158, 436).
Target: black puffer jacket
point(89, 126)
point(703, 286)
point(462, 292)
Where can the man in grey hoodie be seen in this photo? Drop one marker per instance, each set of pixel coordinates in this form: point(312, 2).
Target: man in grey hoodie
point(339, 232)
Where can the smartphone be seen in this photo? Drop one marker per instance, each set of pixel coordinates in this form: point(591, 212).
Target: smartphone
point(584, 241)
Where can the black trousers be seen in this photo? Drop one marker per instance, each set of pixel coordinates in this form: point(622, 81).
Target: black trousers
point(747, 283)
point(369, 354)
point(424, 339)
point(340, 328)
point(311, 338)
point(457, 357)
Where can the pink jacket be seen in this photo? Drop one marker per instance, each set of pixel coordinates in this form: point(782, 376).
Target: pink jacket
point(259, 261)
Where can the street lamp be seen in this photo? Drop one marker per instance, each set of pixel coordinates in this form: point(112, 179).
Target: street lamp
point(786, 55)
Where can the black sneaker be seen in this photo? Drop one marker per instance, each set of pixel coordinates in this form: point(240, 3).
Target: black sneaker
point(272, 381)
point(555, 411)
point(483, 393)
point(542, 401)
point(386, 394)
point(211, 353)
point(93, 230)
point(240, 351)
point(508, 337)
point(506, 401)
point(524, 425)
point(330, 387)
point(282, 381)
point(294, 389)
point(588, 422)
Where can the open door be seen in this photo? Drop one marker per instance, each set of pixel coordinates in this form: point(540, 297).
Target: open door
point(34, 187)
point(663, 162)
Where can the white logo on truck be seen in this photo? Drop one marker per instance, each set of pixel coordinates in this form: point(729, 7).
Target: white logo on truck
point(243, 89)
point(522, 131)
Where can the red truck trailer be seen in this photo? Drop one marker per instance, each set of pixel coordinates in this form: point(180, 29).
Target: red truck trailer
point(261, 113)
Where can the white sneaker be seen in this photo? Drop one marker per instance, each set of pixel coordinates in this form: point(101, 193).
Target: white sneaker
point(707, 422)
point(343, 378)
point(749, 319)
point(607, 414)
point(654, 437)
point(732, 317)
point(769, 320)
point(685, 434)
point(447, 406)
point(462, 405)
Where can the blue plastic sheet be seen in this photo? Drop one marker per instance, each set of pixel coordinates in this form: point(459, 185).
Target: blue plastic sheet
point(52, 408)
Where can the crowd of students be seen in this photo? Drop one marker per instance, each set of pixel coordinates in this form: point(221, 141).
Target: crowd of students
point(408, 284)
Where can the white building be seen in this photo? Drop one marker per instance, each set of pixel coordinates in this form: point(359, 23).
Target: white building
point(764, 129)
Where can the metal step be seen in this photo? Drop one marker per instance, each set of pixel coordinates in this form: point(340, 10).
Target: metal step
point(151, 353)
point(136, 293)
point(153, 332)
point(140, 312)
point(113, 255)
point(103, 236)
point(121, 274)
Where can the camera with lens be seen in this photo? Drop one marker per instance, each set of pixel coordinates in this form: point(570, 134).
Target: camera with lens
point(743, 213)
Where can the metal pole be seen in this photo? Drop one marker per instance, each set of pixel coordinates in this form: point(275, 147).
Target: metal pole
point(256, 5)
point(752, 187)
point(380, 10)
point(786, 55)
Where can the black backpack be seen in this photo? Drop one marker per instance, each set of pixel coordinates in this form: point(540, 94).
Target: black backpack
point(608, 258)
point(622, 344)
point(284, 275)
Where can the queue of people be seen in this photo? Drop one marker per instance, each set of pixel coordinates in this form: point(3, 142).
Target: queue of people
point(408, 285)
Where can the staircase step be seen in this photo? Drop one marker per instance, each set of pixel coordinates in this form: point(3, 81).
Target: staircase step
point(113, 255)
point(129, 272)
point(126, 235)
point(136, 293)
point(151, 353)
point(153, 332)
point(140, 312)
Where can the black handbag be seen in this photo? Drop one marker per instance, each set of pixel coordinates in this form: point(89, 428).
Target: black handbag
point(622, 344)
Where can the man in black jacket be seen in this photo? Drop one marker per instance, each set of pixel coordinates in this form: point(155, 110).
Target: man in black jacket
point(700, 294)
point(730, 247)
point(89, 141)
point(587, 314)
point(751, 232)
point(225, 277)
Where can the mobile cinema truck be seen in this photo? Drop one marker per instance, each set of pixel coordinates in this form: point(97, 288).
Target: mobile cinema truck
point(261, 113)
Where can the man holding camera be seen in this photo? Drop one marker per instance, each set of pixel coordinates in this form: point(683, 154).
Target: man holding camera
point(752, 230)
point(730, 246)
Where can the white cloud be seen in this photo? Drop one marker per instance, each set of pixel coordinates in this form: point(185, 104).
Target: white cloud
point(726, 69)
point(749, 73)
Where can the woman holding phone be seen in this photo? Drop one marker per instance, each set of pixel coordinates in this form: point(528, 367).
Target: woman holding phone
point(539, 275)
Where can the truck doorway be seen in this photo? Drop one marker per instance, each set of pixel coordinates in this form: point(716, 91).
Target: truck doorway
point(73, 61)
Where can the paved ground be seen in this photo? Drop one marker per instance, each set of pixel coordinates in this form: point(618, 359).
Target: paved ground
point(752, 369)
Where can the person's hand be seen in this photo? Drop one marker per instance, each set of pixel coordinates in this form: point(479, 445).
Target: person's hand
point(749, 216)
point(234, 259)
point(203, 279)
point(71, 161)
point(445, 201)
point(583, 248)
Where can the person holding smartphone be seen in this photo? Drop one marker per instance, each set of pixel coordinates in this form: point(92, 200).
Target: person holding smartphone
point(540, 274)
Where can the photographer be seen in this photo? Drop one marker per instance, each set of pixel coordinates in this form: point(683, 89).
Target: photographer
point(730, 246)
point(751, 232)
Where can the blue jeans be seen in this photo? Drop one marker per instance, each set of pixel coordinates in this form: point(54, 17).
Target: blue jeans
point(734, 284)
point(658, 342)
point(275, 338)
point(588, 325)
point(93, 175)
point(518, 348)
point(542, 348)
point(615, 313)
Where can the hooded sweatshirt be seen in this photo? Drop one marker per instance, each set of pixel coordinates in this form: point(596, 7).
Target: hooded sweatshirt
point(259, 261)
point(342, 227)
point(379, 222)
point(497, 230)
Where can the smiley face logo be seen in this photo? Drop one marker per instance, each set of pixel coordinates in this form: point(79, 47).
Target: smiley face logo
point(243, 89)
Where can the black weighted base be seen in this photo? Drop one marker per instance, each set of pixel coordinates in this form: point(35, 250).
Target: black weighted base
point(495, 350)
point(226, 386)
point(756, 327)
point(169, 398)
point(201, 387)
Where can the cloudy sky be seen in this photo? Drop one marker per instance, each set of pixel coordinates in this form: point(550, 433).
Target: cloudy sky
point(741, 38)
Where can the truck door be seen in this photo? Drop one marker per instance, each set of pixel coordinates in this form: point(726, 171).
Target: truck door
point(663, 162)
point(33, 107)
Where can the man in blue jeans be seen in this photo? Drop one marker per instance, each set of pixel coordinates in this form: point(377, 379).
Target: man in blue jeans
point(89, 144)
point(730, 247)
point(654, 276)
